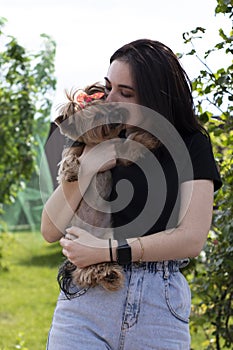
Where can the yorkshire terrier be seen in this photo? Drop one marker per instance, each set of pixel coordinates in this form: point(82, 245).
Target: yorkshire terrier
point(86, 119)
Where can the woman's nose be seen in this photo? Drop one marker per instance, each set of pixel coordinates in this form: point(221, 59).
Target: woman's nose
point(111, 97)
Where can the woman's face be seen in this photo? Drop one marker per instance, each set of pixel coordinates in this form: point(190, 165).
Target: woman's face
point(119, 83)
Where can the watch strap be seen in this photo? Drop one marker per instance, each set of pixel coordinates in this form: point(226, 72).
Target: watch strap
point(123, 252)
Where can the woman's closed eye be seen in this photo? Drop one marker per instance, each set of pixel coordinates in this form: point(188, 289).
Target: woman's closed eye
point(123, 92)
point(126, 94)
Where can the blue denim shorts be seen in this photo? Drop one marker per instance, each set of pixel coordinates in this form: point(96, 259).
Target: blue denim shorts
point(150, 312)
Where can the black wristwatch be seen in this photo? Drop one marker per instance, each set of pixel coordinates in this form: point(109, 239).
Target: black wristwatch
point(123, 253)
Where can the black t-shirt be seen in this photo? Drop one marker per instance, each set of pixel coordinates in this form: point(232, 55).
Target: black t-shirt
point(145, 198)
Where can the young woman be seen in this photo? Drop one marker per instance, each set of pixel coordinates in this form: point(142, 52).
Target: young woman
point(152, 310)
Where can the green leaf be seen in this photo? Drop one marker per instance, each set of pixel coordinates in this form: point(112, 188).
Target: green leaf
point(198, 29)
point(192, 52)
point(204, 117)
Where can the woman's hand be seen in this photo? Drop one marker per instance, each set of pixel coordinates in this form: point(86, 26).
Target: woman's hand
point(85, 249)
point(98, 158)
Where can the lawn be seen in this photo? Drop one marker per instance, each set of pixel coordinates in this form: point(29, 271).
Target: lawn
point(28, 292)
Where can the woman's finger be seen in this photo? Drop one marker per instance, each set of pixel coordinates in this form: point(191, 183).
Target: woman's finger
point(74, 231)
point(71, 237)
point(64, 252)
point(63, 242)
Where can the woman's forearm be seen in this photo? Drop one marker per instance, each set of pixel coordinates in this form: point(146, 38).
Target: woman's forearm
point(60, 208)
point(171, 245)
point(174, 245)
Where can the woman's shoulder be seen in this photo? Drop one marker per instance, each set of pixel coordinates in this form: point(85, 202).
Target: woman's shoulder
point(202, 157)
point(196, 138)
point(194, 142)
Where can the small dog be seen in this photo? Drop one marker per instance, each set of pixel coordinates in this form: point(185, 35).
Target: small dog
point(87, 120)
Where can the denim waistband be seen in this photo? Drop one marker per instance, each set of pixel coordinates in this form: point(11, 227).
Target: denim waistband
point(154, 266)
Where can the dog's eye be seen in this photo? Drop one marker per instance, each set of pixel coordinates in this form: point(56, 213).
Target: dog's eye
point(114, 125)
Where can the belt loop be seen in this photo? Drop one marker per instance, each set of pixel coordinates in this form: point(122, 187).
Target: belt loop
point(165, 270)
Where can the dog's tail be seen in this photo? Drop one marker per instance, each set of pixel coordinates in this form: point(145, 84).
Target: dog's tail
point(64, 278)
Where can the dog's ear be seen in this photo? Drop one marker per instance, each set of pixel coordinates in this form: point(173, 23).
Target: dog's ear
point(66, 127)
point(59, 120)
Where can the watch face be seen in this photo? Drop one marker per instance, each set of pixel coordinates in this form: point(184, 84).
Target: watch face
point(124, 255)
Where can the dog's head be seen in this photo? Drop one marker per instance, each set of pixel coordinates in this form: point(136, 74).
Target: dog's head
point(86, 118)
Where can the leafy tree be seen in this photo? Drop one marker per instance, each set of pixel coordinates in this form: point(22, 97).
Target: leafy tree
point(212, 277)
point(26, 84)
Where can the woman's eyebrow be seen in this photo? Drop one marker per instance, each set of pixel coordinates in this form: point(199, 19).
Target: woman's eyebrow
point(107, 80)
point(121, 85)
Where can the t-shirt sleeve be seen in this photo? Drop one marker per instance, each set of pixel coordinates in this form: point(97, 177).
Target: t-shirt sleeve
point(202, 160)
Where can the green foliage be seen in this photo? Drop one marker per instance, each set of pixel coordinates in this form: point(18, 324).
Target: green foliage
point(26, 86)
point(6, 241)
point(212, 278)
point(224, 6)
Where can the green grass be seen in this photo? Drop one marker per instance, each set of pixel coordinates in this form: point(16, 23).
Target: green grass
point(28, 292)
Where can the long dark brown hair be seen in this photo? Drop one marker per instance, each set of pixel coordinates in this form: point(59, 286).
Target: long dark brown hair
point(161, 82)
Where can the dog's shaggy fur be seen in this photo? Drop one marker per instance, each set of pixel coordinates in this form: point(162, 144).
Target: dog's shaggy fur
point(92, 124)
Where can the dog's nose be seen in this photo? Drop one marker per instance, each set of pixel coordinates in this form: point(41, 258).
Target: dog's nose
point(122, 134)
point(117, 116)
point(114, 125)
